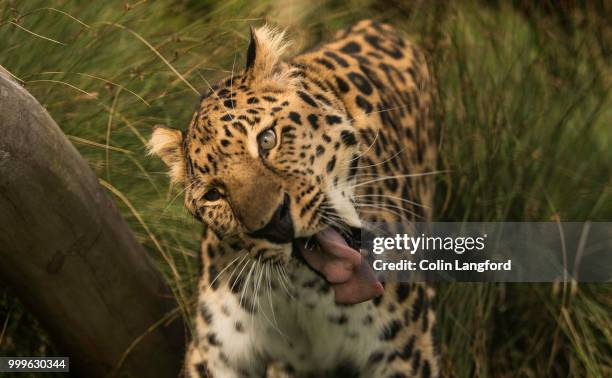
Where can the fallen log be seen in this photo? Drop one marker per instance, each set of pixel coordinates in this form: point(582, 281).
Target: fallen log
point(71, 258)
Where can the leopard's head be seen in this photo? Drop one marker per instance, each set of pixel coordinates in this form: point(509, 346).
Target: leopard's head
point(269, 159)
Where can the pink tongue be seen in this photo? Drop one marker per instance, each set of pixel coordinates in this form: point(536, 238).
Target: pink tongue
point(344, 268)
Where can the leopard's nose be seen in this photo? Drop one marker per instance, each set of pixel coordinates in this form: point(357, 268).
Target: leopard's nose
point(279, 229)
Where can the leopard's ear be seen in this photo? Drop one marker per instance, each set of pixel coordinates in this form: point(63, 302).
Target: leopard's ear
point(265, 48)
point(167, 144)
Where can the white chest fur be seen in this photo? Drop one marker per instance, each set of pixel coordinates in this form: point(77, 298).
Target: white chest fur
point(303, 328)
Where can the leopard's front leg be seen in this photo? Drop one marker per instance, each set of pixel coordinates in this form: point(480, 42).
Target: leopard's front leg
point(277, 369)
point(196, 362)
point(203, 361)
point(209, 363)
point(406, 339)
point(221, 346)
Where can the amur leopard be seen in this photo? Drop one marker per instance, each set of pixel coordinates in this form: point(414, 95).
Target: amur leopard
point(285, 163)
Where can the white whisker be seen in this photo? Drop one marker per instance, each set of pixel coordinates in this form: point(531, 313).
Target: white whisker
point(223, 270)
point(391, 197)
point(246, 283)
point(257, 287)
point(244, 264)
point(398, 177)
point(391, 209)
point(286, 281)
point(382, 162)
point(378, 111)
point(367, 149)
point(270, 301)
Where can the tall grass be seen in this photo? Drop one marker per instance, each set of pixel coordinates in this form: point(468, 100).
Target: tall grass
point(527, 115)
point(526, 109)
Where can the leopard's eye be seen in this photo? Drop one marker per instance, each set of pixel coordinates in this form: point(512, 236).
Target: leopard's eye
point(212, 195)
point(266, 140)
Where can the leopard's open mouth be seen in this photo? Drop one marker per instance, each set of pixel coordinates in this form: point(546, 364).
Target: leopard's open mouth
point(351, 235)
point(335, 254)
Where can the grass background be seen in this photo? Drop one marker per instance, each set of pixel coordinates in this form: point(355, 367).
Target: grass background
point(527, 114)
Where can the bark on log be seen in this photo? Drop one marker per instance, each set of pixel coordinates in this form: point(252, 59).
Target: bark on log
point(69, 255)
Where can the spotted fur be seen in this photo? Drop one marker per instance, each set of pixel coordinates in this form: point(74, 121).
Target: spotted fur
point(354, 143)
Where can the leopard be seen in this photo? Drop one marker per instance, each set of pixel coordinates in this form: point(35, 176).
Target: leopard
point(285, 163)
